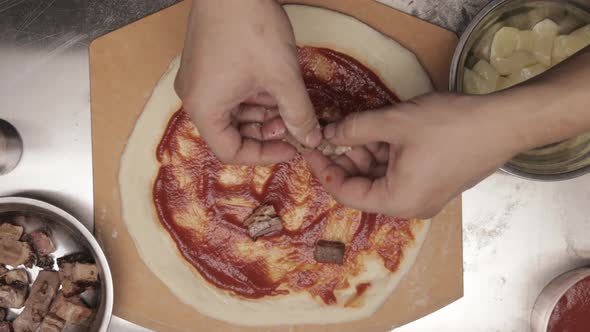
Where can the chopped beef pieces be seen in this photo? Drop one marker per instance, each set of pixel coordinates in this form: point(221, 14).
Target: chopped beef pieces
point(15, 253)
point(43, 292)
point(76, 274)
point(5, 327)
point(41, 241)
point(329, 252)
point(262, 221)
point(10, 231)
point(13, 296)
point(72, 310)
point(52, 323)
point(15, 277)
point(2, 314)
point(45, 262)
point(75, 258)
point(3, 269)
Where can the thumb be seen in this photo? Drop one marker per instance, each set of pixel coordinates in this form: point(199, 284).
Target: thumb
point(362, 128)
point(297, 111)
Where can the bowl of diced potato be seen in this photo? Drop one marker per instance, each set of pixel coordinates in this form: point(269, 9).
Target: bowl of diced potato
point(512, 41)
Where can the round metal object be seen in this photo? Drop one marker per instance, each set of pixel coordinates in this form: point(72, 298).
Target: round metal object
point(69, 236)
point(552, 293)
point(555, 162)
point(11, 147)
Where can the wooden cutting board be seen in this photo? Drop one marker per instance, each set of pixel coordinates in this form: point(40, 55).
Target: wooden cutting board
point(126, 64)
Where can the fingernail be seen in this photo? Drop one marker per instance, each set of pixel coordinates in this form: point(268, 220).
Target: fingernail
point(313, 139)
point(330, 131)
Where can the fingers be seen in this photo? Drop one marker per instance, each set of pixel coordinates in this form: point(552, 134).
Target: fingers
point(357, 192)
point(273, 129)
point(254, 152)
point(296, 110)
point(361, 128)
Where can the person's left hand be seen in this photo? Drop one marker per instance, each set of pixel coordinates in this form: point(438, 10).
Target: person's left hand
point(411, 159)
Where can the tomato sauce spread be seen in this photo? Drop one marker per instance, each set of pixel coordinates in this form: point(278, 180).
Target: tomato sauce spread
point(572, 312)
point(203, 211)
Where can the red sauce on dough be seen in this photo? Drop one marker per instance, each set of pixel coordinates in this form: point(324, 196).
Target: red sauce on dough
point(188, 183)
point(572, 312)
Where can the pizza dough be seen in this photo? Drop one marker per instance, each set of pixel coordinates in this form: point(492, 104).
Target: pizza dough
point(398, 69)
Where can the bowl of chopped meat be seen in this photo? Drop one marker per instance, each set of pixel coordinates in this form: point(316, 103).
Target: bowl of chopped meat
point(53, 274)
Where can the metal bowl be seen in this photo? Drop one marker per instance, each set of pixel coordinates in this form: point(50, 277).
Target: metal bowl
point(552, 293)
point(11, 147)
point(559, 161)
point(69, 236)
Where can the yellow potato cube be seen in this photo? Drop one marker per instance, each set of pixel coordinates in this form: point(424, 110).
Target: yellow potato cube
point(514, 63)
point(504, 43)
point(583, 32)
point(474, 84)
point(525, 41)
point(546, 28)
point(532, 71)
point(487, 71)
point(546, 32)
point(566, 46)
point(509, 81)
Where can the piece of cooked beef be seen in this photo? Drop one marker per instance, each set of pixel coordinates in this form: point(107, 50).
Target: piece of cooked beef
point(11, 231)
point(77, 272)
point(264, 220)
point(3, 269)
point(13, 296)
point(43, 292)
point(2, 314)
point(329, 252)
point(41, 241)
point(5, 327)
point(71, 310)
point(45, 262)
point(13, 252)
point(15, 277)
point(52, 323)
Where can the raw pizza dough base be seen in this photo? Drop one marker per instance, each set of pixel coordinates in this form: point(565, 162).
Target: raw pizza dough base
point(397, 67)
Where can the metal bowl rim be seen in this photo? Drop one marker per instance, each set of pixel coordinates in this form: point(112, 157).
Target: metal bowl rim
point(563, 283)
point(453, 81)
point(97, 251)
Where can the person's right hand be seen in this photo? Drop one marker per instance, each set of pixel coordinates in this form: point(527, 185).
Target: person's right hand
point(241, 84)
point(411, 159)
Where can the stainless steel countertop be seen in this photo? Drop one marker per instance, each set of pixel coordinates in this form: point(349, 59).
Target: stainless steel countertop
point(518, 234)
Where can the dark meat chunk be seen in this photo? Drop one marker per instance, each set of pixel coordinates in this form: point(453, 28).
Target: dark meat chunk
point(15, 253)
point(41, 241)
point(264, 220)
point(43, 292)
point(77, 272)
point(45, 262)
point(3, 269)
point(5, 327)
point(52, 323)
point(329, 252)
point(13, 296)
point(15, 277)
point(71, 310)
point(2, 314)
point(10, 231)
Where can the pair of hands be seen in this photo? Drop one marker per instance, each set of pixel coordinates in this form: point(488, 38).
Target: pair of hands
point(240, 82)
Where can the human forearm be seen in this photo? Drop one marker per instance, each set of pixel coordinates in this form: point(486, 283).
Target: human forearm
point(552, 107)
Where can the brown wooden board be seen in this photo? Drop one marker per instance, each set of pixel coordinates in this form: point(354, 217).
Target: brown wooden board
point(125, 66)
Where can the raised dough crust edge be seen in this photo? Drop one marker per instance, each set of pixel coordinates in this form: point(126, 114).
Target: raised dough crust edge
point(138, 170)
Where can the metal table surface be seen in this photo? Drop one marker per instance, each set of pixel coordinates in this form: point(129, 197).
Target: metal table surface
point(518, 234)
